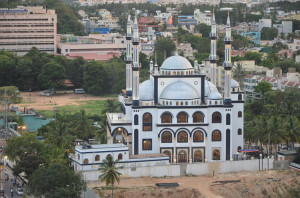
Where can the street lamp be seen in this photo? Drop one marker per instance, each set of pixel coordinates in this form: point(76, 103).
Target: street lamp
point(260, 155)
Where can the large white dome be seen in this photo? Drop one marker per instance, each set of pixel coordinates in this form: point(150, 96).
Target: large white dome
point(146, 90)
point(179, 91)
point(176, 63)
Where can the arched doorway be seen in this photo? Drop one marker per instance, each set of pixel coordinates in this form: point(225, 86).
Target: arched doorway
point(168, 153)
point(198, 157)
point(120, 136)
point(182, 156)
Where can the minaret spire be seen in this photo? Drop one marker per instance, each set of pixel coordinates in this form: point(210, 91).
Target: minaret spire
point(213, 50)
point(128, 59)
point(135, 65)
point(227, 63)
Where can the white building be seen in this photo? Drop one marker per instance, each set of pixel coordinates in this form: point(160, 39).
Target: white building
point(26, 27)
point(176, 114)
point(264, 23)
point(203, 17)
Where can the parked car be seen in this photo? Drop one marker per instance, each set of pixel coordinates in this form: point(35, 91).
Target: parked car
point(19, 191)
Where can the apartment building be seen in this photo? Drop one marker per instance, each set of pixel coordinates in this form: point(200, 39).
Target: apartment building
point(26, 27)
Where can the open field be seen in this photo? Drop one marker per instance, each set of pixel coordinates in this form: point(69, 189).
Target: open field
point(68, 102)
point(233, 185)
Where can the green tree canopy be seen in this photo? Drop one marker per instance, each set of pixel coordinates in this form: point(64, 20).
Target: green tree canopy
point(10, 94)
point(263, 87)
point(58, 180)
point(268, 33)
point(203, 29)
point(164, 46)
point(94, 77)
point(52, 75)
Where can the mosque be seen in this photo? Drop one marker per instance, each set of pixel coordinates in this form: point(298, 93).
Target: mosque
point(177, 114)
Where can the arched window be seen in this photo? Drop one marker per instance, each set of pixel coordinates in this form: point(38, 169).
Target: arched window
point(163, 102)
point(97, 158)
point(174, 73)
point(186, 103)
point(168, 153)
point(120, 156)
point(136, 120)
point(239, 148)
point(216, 135)
point(177, 103)
point(182, 73)
point(166, 117)
point(240, 114)
point(163, 73)
point(239, 131)
point(167, 103)
point(182, 136)
point(182, 117)
point(78, 157)
point(85, 161)
point(227, 119)
point(166, 137)
point(182, 156)
point(108, 156)
point(169, 73)
point(198, 117)
point(240, 97)
point(178, 73)
point(216, 154)
point(147, 122)
point(181, 103)
point(216, 117)
point(198, 156)
point(198, 136)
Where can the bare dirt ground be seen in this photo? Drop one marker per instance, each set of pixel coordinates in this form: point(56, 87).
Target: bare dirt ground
point(234, 185)
point(40, 102)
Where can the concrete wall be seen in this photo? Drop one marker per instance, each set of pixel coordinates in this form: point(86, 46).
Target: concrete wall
point(151, 171)
point(214, 168)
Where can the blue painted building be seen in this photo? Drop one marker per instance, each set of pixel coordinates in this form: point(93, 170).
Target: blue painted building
point(253, 36)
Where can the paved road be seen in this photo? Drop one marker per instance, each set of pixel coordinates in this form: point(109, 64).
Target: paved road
point(8, 185)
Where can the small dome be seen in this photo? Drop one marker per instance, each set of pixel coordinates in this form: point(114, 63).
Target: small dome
point(210, 88)
point(176, 63)
point(215, 96)
point(234, 84)
point(179, 91)
point(146, 90)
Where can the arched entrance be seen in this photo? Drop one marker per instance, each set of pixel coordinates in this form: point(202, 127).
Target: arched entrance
point(182, 156)
point(168, 153)
point(120, 136)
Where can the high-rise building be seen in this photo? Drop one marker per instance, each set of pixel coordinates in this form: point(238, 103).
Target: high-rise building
point(26, 27)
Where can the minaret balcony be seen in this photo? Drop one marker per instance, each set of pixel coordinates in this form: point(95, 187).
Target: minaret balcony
point(227, 39)
point(227, 65)
point(213, 35)
point(213, 58)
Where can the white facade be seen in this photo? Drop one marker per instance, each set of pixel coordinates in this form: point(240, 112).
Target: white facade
point(202, 17)
point(264, 23)
point(26, 27)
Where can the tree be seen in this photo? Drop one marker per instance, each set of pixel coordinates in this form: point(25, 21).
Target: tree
point(292, 127)
point(59, 133)
point(27, 152)
point(110, 174)
point(297, 158)
point(8, 62)
point(203, 29)
point(94, 77)
point(268, 33)
point(239, 74)
point(25, 73)
point(57, 180)
point(263, 87)
point(257, 57)
point(83, 126)
point(10, 94)
point(52, 75)
point(164, 46)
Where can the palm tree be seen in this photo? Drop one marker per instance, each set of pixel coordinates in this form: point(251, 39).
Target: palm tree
point(110, 172)
point(292, 127)
point(111, 106)
point(83, 126)
point(59, 133)
point(261, 130)
point(239, 74)
point(277, 132)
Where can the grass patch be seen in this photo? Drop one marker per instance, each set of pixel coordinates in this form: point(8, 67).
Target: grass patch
point(91, 107)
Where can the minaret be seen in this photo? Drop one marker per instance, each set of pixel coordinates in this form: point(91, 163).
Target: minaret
point(128, 59)
point(135, 65)
point(213, 50)
point(227, 63)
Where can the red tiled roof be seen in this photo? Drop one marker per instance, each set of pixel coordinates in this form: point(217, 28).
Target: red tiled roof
point(297, 85)
point(94, 56)
point(284, 82)
point(264, 79)
point(68, 83)
point(249, 76)
point(259, 77)
point(273, 80)
point(290, 84)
